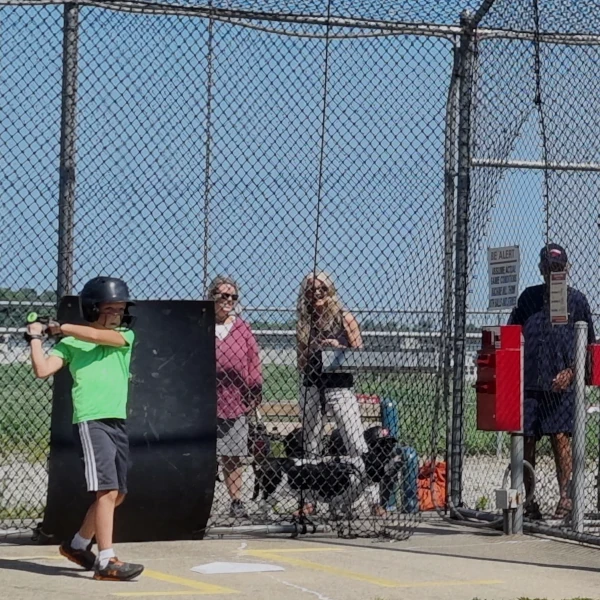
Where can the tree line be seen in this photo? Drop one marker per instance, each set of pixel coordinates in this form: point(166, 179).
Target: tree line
point(28, 299)
point(25, 301)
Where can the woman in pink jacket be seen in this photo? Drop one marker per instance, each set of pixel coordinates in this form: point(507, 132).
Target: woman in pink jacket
point(239, 386)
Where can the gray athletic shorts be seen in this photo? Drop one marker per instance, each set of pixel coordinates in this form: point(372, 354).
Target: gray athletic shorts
point(232, 437)
point(104, 448)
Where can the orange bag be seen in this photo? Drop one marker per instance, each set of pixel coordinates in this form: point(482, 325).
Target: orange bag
point(427, 501)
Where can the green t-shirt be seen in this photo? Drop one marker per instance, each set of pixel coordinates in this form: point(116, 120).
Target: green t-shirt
point(100, 377)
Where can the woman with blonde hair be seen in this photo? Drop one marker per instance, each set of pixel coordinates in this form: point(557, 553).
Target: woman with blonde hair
point(324, 323)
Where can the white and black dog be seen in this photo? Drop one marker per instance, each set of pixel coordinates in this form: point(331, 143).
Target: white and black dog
point(335, 479)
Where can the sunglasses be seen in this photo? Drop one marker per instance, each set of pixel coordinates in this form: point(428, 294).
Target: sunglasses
point(233, 297)
point(319, 289)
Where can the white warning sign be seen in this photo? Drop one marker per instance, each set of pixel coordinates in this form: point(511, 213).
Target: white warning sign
point(503, 268)
point(559, 311)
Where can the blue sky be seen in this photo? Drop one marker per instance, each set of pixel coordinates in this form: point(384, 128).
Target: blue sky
point(141, 162)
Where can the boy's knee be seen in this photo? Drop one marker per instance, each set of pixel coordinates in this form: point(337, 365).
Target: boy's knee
point(107, 494)
point(120, 498)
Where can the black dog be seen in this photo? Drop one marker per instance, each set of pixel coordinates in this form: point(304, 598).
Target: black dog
point(335, 479)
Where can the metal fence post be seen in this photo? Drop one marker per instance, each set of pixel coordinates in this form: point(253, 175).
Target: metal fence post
point(208, 147)
point(517, 456)
point(66, 198)
point(462, 260)
point(449, 224)
point(578, 477)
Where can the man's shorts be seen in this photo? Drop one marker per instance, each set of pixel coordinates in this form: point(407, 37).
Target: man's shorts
point(232, 437)
point(104, 447)
point(547, 413)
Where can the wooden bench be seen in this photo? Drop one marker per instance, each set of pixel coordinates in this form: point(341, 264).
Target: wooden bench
point(291, 410)
point(285, 416)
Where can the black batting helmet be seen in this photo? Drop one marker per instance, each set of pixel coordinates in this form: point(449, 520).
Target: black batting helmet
point(104, 289)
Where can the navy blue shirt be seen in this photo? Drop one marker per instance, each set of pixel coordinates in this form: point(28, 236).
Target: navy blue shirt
point(549, 348)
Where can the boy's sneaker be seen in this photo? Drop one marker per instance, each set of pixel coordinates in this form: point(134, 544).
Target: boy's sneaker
point(238, 510)
point(83, 558)
point(116, 570)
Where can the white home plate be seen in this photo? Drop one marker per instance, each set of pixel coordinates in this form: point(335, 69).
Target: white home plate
point(230, 567)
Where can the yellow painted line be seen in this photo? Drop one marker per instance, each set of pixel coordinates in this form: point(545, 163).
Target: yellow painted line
point(52, 557)
point(294, 550)
point(387, 583)
point(298, 562)
point(422, 584)
point(145, 594)
point(199, 586)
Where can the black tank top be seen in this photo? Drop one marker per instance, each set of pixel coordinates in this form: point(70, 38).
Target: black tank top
point(313, 372)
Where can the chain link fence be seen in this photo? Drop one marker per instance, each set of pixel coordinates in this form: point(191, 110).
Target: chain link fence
point(535, 182)
point(270, 142)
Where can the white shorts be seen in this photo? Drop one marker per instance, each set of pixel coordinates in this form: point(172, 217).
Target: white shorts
point(232, 437)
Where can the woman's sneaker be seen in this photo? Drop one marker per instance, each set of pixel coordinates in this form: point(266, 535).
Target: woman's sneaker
point(116, 570)
point(83, 558)
point(238, 510)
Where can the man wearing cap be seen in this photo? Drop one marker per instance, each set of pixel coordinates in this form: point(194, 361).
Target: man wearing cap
point(549, 376)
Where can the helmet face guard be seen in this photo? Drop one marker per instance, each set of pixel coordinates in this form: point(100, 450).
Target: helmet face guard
point(105, 289)
point(91, 313)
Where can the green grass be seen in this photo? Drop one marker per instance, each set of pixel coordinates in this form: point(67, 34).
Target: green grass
point(25, 405)
point(415, 396)
point(280, 383)
point(21, 512)
point(413, 393)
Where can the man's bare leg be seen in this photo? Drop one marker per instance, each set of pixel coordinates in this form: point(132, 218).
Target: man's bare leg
point(563, 458)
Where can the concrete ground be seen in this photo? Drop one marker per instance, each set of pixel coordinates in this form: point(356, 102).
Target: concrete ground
point(438, 562)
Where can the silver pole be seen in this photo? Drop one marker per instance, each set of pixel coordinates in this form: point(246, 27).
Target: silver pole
point(66, 198)
point(449, 218)
point(208, 149)
point(578, 441)
point(462, 259)
point(517, 455)
point(493, 521)
point(256, 20)
point(499, 444)
point(534, 164)
point(584, 538)
point(598, 474)
point(267, 529)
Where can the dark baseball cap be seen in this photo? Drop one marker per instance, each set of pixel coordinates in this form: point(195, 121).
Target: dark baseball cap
point(553, 254)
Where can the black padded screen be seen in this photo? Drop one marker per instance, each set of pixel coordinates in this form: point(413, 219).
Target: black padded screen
point(171, 426)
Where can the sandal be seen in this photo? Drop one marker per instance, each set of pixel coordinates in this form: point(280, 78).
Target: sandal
point(306, 511)
point(564, 508)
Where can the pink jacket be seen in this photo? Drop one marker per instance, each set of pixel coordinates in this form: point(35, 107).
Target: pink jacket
point(239, 376)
